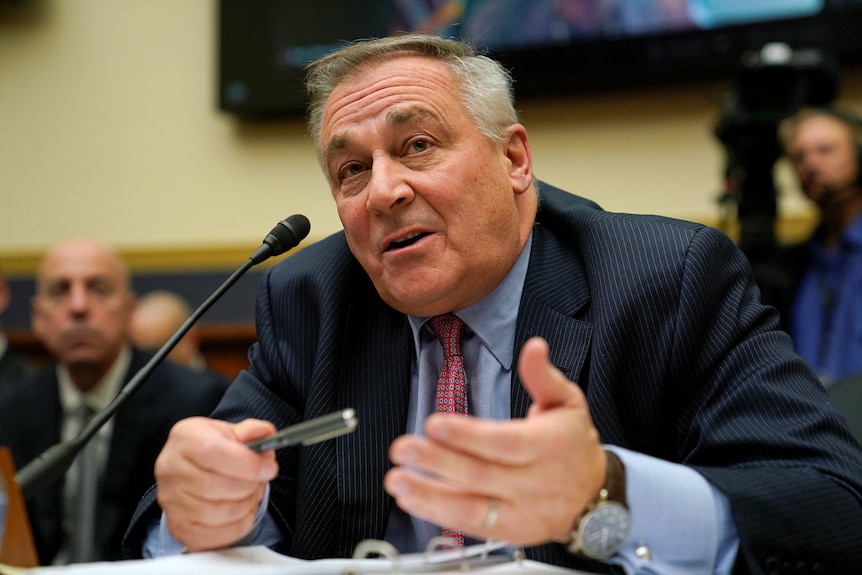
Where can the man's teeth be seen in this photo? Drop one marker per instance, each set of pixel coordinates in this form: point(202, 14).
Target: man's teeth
point(407, 239)
point(409, 236)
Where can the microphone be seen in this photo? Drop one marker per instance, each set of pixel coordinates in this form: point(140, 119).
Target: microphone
point(285, 235)
point(55, 460)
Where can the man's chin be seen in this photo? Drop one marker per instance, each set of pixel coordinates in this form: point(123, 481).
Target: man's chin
point(421, 303)
point(82, 359)
point(816, 194)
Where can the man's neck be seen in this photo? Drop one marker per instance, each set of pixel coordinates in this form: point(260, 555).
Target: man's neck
point(87, 376)
point(99, 390)
point(837, 218)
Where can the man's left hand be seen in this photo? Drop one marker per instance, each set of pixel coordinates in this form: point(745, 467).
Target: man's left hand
point(523, 481)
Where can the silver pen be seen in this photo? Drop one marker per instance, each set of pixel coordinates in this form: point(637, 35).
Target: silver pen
point(308, 432)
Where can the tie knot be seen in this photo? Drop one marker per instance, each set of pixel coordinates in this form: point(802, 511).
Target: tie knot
point(84, 413)
point(448, 328)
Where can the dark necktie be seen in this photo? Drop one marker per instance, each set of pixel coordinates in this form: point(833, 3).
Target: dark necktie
point(83, 548)
point(452, 382)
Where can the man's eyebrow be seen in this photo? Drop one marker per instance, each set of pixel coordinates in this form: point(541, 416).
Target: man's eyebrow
point(404, 116)
point(334, 145)
point(55, 282)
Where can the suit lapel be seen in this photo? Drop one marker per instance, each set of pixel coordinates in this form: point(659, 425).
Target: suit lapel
point(555, 291)
point(42, 430)
point(376, 372)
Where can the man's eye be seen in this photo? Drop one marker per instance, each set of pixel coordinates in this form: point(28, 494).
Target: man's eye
point(56, 292)
point(350, 170)
point(101, 288)
point(102, 291)
point(419, 145)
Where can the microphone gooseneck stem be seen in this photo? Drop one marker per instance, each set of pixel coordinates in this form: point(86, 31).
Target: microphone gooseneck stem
point(52, 463)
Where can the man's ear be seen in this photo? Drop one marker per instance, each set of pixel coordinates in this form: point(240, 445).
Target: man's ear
point(520, 158)
point(5, 295)
point(130, 305)
point(36, 318)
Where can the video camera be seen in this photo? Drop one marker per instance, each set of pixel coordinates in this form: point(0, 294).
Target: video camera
point(771, 84)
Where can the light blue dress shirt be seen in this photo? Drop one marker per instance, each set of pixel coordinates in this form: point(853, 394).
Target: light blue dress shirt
point(682, 520)
point(826, 320)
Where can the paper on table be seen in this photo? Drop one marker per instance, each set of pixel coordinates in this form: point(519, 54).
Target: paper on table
point(259, 560)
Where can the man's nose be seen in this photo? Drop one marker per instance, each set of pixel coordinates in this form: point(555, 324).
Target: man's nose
point(388, 188)
point(79, 300)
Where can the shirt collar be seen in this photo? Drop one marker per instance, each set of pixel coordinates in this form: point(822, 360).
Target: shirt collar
point(851, 238)
point(101, 395)
point(494, 317)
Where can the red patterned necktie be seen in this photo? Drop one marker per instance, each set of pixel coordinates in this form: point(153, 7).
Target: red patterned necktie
point(452, 382)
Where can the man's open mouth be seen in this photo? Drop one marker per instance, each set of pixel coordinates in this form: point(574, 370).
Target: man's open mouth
point(408, 240)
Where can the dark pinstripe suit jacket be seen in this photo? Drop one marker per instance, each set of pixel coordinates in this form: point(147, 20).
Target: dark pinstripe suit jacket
point(659, 323)
point(30, 420)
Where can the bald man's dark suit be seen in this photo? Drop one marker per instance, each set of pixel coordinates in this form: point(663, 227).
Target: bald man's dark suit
point(658, 322)
point(30, 419)
point(14, 367)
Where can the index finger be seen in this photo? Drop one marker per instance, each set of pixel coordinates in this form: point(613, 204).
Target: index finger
point(219, 447)
point(509, 442)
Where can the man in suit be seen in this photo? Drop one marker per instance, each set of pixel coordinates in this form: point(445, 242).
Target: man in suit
point(13, 366)
point(81, 313)
point(631, 403)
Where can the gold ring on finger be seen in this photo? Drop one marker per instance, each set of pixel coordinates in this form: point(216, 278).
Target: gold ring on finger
point(493, 512)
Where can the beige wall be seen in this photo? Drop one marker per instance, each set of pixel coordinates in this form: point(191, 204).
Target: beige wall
point(109, 128)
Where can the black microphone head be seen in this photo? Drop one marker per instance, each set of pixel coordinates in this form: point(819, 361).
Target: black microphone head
point(284, 236)
point(289, 232)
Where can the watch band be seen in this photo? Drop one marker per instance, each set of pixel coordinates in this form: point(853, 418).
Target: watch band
point(615, 480)
point(612, 492)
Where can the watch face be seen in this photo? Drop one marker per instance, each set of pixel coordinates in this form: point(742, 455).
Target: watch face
point(604, 530)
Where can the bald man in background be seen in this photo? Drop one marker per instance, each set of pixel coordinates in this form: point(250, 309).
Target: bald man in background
point(82, 312)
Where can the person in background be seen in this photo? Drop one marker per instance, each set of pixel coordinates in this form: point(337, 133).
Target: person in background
point(13, 365)
point(81, 312)
point(158, 315)
point(825, 313)
point(603, 391)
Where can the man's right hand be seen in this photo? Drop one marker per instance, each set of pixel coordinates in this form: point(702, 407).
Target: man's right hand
point(210, 483)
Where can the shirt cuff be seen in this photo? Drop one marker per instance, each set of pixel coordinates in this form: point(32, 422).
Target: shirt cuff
point(160, 542)
point(681, 524)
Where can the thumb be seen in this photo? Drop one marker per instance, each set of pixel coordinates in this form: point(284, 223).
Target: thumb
point(249, 429)
point(546, 385)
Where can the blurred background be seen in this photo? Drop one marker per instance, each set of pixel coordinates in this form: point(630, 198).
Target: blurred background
point(174, 130)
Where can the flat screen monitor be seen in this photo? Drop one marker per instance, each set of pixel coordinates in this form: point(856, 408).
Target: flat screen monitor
point(551, 46)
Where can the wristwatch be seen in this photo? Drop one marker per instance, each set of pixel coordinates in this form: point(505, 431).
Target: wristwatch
point(602, 529)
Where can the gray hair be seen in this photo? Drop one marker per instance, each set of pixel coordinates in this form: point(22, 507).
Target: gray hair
point(485, 85)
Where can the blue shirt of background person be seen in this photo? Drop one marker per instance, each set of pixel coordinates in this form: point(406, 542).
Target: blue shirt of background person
point(826, 313)
point(826, 322)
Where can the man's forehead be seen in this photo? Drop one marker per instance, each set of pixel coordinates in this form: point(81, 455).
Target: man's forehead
point(89, 275)
point(68, 265)
point(383, 80)
point(825, 126)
